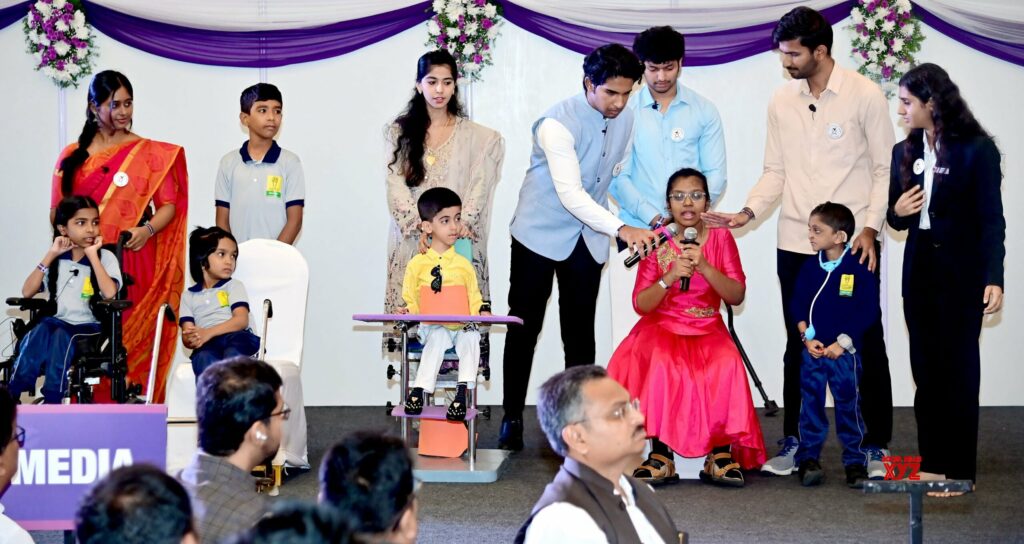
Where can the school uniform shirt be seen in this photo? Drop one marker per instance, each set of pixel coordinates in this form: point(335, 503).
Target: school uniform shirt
point(840, 152)
point(209, 307)
point(846, 304)
point(930, 157)
point(75, 288)
point(689, 134)
point(258, 193)
point(455, 270)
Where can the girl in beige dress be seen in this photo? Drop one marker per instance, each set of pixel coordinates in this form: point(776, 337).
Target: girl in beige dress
point(432, 144)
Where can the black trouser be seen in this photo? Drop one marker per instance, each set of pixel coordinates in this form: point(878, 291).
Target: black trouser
point(875, 384)
point(530, 281)
point(944, 322)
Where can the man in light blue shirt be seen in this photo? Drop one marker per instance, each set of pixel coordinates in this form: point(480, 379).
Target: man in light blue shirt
point(674, 128)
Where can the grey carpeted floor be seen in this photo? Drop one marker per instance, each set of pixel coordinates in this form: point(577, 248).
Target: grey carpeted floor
point(766, 510)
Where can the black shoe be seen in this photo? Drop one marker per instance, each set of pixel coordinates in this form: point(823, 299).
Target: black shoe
point(811, 472)
point(855, 476)
point(511, 436)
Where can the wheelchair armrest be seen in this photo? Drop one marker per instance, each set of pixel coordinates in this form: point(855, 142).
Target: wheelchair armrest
point(30, 304)
point(115, 304)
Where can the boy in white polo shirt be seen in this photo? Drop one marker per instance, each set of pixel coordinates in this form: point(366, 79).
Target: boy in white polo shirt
point(260, 191)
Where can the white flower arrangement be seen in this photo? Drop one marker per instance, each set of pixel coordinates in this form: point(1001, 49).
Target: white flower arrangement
point(59, 40)
point(467, 29)
point(886, 36)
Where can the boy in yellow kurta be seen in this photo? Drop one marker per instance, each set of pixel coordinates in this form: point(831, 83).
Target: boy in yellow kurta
point(441, 268)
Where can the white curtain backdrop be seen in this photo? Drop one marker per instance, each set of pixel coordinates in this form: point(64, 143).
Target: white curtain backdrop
point(998, 19)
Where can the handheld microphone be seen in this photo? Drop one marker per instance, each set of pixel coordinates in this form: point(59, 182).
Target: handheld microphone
point(689, 238)
point(631, 261)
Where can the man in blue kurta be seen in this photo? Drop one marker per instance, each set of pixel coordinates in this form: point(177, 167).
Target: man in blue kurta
point(675, 128)
point(561, 224)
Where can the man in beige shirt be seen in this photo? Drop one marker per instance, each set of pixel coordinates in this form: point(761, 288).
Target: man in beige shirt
point(829, 139)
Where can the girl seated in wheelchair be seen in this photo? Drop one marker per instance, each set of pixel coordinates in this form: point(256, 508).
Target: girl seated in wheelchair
point(75, 271)
point(427, 274)
point(215, 311)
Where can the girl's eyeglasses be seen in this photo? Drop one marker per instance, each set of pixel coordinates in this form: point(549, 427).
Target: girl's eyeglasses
point(680, 196)
point(19, 436)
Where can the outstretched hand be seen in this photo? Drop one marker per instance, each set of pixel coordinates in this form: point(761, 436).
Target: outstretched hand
point(724, 220)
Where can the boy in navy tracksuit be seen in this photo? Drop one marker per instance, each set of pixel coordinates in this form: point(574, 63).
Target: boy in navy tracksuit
point(835, 301)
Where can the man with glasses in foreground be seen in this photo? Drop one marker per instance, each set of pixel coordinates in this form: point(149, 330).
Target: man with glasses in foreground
point(240, 413)
point(13, 439)
point(590, 420)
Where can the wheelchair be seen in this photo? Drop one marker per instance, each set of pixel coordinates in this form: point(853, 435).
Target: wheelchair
point(97, 357)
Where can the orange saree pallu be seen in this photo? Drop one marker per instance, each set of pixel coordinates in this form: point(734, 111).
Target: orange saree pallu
point(123, 180)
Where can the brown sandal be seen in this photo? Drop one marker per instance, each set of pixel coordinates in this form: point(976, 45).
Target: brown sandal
point(657, 470)
point(728, 474)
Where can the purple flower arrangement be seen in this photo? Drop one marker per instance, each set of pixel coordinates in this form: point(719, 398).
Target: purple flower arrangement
point(885, 37)
point(59, 40)
point(467, 29)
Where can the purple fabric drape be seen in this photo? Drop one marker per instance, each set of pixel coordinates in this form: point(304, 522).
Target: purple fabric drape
point(1010, 52)
point(704, 49)
point(253, 49)
point(10, 14)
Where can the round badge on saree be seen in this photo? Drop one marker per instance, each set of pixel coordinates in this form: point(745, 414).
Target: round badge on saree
point(120, 179)
point(918, 167)
point(834, 131)
point(677, 134)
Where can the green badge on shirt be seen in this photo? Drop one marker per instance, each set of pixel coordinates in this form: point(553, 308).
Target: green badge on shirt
point(846, 285)
point(274, 186)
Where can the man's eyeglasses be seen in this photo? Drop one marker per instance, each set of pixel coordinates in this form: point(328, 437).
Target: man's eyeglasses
point(680, 196)
point(435, 284)
point(19, 436)
point(620, 412)
point(285, 413)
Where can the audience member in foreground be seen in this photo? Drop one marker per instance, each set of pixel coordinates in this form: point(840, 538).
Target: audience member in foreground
point(137, 504)
point(240, 411)
point(591, 421)
point(368, 476)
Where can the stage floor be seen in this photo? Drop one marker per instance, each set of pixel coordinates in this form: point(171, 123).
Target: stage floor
point(766, 510)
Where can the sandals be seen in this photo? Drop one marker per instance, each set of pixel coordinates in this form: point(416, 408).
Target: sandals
point(457, 407)
point(657, 470)
point(414, 402)
point(727, 473)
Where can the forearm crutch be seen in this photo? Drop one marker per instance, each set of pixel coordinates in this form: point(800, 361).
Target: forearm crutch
point(770, 408)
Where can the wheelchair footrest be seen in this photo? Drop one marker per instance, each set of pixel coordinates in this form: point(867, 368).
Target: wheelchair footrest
point(431, 412)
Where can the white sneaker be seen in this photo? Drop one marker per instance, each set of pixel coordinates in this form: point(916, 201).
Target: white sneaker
point(876, 467)
point(784, 463)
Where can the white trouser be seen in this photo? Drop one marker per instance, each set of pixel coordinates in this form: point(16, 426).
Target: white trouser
point(437, 340)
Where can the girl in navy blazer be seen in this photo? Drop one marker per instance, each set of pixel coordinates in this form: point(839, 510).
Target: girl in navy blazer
point(944, 188)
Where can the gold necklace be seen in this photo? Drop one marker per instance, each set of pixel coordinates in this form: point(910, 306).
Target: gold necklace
point(430, 158)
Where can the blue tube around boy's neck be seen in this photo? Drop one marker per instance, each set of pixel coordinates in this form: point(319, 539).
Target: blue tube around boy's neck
point(829, 266)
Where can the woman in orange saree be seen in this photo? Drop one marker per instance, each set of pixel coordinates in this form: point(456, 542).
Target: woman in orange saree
point(141, 186)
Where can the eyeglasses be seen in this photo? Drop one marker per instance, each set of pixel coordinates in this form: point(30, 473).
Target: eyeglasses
point(19, 436)
point(620, 412)
point(285, 413)
point(680, 196)
point(435, 284)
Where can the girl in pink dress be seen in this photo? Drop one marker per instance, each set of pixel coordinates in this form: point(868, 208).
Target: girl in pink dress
point(679, 360)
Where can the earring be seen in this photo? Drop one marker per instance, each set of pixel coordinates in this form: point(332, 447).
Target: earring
point(261, 437)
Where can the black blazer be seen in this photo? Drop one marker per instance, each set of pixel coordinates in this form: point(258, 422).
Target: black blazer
point(966, 214)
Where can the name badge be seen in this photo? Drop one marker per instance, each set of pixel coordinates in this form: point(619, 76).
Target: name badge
point(834, 131)
point(677, 134)
point(222, 298)
point(120, 179)
point(846, 285)
point(87, 290)
point(941, 170)
point(918, 167)
point(274, 184)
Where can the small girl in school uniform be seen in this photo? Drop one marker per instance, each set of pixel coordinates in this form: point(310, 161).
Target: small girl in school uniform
point(215, 311)
point(74, 272)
